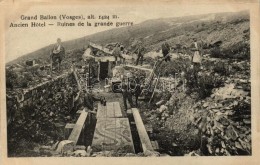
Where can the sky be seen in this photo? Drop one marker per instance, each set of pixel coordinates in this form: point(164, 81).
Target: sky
point(20, 41)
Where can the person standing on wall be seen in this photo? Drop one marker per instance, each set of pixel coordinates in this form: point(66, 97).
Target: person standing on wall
point(57, 54)
point(196, 58)
point(140, 50)
point(165, 51)
point(117, 53)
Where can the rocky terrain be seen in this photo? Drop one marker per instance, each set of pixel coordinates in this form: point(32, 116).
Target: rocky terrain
point(212, 118)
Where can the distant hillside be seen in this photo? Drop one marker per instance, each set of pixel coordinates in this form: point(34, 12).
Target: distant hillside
point(229, 28)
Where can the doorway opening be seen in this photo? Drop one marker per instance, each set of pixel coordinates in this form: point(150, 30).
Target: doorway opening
point(103, 70)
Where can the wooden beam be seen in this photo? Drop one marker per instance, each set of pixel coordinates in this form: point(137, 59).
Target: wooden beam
point(139, 67)
point(74, 136)
point(77, 79)
point(144, 138)
point(99, 47)
point(68, 128)
point(111, 110)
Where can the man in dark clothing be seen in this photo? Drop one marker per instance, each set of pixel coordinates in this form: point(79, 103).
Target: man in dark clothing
point(137, 90)
point(140, 50)
point(196, 58)
point(57, 53)
point(89, 100)
point(165, 51)
point(127, 95)
point(117, 53)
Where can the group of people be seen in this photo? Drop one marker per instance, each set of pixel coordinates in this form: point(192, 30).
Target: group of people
point(139, 51)
point(58, 53)
point(128, 89)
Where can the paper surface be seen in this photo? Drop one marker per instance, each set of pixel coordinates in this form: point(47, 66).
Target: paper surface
point(30, 26)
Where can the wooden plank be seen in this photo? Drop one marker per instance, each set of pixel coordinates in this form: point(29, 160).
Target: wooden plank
point(118, 111)
point(101, 111)
point(105, 58)
point(111, 110)
point(129, 111)
point(74, 136)
point(113, 134)
point(68, 129)
point(144, 138)
point(139, 67)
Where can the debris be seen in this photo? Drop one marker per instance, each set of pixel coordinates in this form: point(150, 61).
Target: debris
point(65, 146)
point(193, 153)
point(79, 147)
point(151, 153)
point(80, 153)
point(162, 108)
point(89, 151)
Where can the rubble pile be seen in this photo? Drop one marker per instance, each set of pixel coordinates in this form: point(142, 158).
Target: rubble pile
point(21, 75)
point(67, 148)
point(172, 120)
point(218, 123)
point(225, 121)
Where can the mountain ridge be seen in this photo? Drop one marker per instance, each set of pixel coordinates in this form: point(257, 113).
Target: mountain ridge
point(153, 32)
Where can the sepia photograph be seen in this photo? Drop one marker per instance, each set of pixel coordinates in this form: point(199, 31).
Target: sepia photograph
point(128, 81)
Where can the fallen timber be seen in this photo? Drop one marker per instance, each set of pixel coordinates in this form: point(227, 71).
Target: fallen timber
point(78, 127)
point(74, 137)
point(144, 138)
point(107, 52)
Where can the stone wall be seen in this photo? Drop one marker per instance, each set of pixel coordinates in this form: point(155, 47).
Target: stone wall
point(39, 114)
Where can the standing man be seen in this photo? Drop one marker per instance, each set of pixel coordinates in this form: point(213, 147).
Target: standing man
point(57, 54)
point(140, 50)
point(137, 90)
point(87, 54)
point(165, 51)
point(117, 53)
point(127, 95)
point(196, 58)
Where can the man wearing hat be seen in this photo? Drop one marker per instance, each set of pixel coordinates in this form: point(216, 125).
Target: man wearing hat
point(140, 50)
point(196, 58)
point(165, 51)
point(127, 93)
point(117, 53)
point(57, 53)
